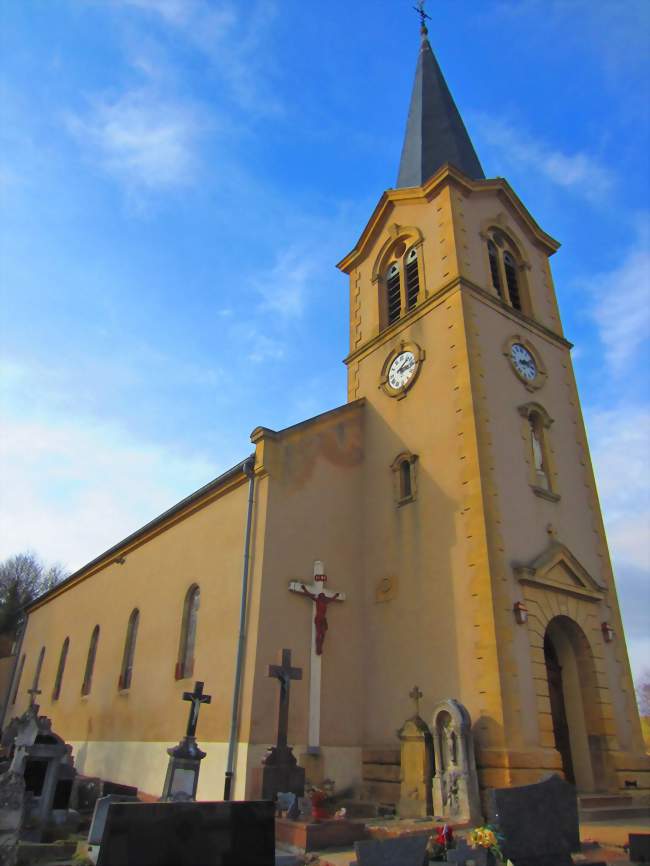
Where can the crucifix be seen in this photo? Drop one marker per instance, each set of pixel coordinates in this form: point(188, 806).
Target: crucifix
point(32, 696)
point(321, 598)
point(285, 673)
point(416, 695)
point(423, 15)
point(197, 698)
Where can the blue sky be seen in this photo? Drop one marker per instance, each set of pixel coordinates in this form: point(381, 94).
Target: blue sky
point(178, 180)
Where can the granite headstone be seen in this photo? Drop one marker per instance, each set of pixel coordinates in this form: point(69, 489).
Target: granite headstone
point(539, 822)
point(403, 851)
point(189, 834)
point(100, 814)
point(468, 856)
point(639, 847)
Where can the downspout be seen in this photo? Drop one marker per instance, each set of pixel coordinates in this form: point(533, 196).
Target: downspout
point(12, 681)
point(249, 471)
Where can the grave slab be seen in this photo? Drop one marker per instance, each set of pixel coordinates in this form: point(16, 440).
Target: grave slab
point(639, 847)
point(539, 822)
point(404, 851)
point(300, 836)
point(189, 834)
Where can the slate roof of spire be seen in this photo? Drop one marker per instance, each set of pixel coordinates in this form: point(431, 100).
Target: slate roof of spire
point(435, 132)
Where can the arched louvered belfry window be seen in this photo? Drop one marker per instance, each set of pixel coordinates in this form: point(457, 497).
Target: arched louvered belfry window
point(126, 671)
point(185, 663)
point(510, 267)
point(90, 662)
point(493, 255)
point(412, 278)
point(19, 675)
point(60, 670)
point(393, 294)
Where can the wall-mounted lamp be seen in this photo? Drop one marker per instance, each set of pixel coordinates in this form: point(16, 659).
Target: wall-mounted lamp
point(608, 632)
point(521, 613)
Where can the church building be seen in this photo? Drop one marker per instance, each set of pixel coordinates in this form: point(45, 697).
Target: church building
point(441, 528)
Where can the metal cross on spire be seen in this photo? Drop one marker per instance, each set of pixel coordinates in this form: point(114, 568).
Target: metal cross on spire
point(423, 15)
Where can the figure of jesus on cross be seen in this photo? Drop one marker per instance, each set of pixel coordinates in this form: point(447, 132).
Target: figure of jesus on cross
point(321, 599)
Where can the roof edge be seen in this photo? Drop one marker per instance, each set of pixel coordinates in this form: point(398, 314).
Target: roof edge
point(105, 558)
point(446, 173)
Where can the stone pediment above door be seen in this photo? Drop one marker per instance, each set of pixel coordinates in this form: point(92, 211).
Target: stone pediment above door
point(559, 570)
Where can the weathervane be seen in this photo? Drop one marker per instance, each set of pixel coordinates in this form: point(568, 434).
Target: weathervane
point(423, 15)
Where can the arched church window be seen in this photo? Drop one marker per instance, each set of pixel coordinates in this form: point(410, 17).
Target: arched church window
point(404, 477)
point(185, 663)
point(90, 662)
point(61, 668)
point(412, 278)
point(393, 294)
point(19, 674)
point(510, 268)
point(39, 667)
point(406, 490)
point(126, 671)
point(494, 267)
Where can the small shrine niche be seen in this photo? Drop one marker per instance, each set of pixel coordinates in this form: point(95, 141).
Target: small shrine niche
point(455, 783)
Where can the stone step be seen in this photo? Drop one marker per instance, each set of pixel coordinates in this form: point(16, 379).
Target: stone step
point(613, 813)
point(45, 852)
point(595, 801)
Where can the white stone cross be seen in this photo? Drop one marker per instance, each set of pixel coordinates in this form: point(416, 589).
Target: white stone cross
point(321, 598)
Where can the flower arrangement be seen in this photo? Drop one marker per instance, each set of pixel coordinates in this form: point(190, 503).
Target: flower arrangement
point(487, 837)
point(441, 843)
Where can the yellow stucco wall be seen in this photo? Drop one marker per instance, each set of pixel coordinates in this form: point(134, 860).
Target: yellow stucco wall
point(430, 584)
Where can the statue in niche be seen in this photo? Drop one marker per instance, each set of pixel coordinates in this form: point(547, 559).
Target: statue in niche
point(455, 783)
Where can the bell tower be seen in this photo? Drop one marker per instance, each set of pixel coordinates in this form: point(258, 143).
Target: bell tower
point(485, 547)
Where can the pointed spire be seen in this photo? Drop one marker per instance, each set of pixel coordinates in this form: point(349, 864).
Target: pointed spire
point(435, 132)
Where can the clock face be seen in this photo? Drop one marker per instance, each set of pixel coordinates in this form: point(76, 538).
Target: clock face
point(523, 362)
point(402, 370)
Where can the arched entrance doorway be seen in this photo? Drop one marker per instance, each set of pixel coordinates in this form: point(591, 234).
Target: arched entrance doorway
point(574, 701)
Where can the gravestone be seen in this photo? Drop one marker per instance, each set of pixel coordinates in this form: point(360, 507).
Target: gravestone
point(280, 770)
point(455, 783)
point(286, 802)
point(100, 814)
point(185, 759)
point(639, 845)
point(467, 856)
point(12, 805)
point(44, 762)
point(416, 763)
point(189, 834)
point(403, 851)
point(539, 822)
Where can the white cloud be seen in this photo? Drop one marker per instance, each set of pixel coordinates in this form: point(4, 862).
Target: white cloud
point(234, 36)
point(284, 286)
point(578, 172)
point(78, 486)
point(620, 444)
point(140, 138)
point(622, 302)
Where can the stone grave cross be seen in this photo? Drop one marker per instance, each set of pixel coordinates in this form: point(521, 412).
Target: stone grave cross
point(285, 673)
point(197, 698)
point(32, 697)
point(321, 598)
point(416, 696)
